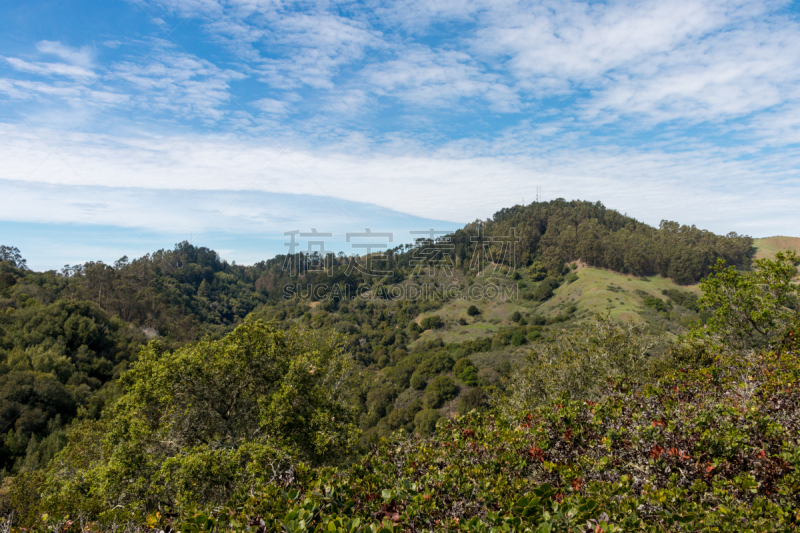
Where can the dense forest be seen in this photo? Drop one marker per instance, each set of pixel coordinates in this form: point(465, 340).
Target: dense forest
point(86, 351)
point(559, 232)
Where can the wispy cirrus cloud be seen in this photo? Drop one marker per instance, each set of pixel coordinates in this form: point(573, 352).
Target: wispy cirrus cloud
point(426, 77)
point(50, 69)
point(179, 83)
point(82, 56)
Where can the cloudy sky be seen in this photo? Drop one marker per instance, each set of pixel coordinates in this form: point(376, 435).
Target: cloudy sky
point(129, 125)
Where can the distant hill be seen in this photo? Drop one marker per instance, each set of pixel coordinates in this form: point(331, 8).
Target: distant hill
point(767, 247)
point(559, 232)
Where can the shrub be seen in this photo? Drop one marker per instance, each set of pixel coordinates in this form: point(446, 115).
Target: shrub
point(534, 334)
point(515, 316)
point(544, 291)
point(432, 322)
point(655, 303)
point(472, 310)
point(538, 320)
point(418, 381)
point(682, 298)
point(425, 421)
point(440, 390)
point(462, 364)
point(469, 376)
point(537, 271)
point(580, 363)
point(380, 398)
point(399, 375)
point(475, 398)
point(435, 363)
point(518, 338)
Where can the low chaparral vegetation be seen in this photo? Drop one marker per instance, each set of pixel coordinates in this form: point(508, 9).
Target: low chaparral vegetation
point(595, 431)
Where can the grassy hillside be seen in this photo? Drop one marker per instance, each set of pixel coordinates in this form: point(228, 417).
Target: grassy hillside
point(767, 247)
point(594, 291)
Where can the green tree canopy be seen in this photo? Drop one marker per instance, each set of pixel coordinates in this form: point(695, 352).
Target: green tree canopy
point(201, 422)
point(579, 363)
point(752, 306)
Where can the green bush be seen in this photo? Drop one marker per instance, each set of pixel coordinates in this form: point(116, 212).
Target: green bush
point(435, 363)
point(475, 398)
point(472, 310)
point(461, 364)
point(538, 320)
point(418, 381)
point(425, 421)
point(682, 298)
point(544, 291)
point(537, 271)
point(432, 322)
point(469, 376)
point(399, 375)
point(655, 303)
point(440, 390)
point(534, 334)
point(380, 398)
point(518, 338)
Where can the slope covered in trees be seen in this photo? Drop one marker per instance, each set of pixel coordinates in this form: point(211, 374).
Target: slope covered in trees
point(593, 433)
point(66, 337)
point(559, 232)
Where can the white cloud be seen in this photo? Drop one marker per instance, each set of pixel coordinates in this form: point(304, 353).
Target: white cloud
point(50, 69)
point(427, 77)
point(684, 110)
point(289, 46)
point(75, 56)
point(272, 106)
point(315, 47)
point(179, 83)
point(720, 77)
point(657, 62)
point(703, 187)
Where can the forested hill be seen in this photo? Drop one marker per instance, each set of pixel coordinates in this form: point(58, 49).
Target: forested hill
point(189, 291)
point(558, 232)
point(65, 337)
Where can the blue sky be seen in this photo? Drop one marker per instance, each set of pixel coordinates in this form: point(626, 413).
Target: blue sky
point(130, 125)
